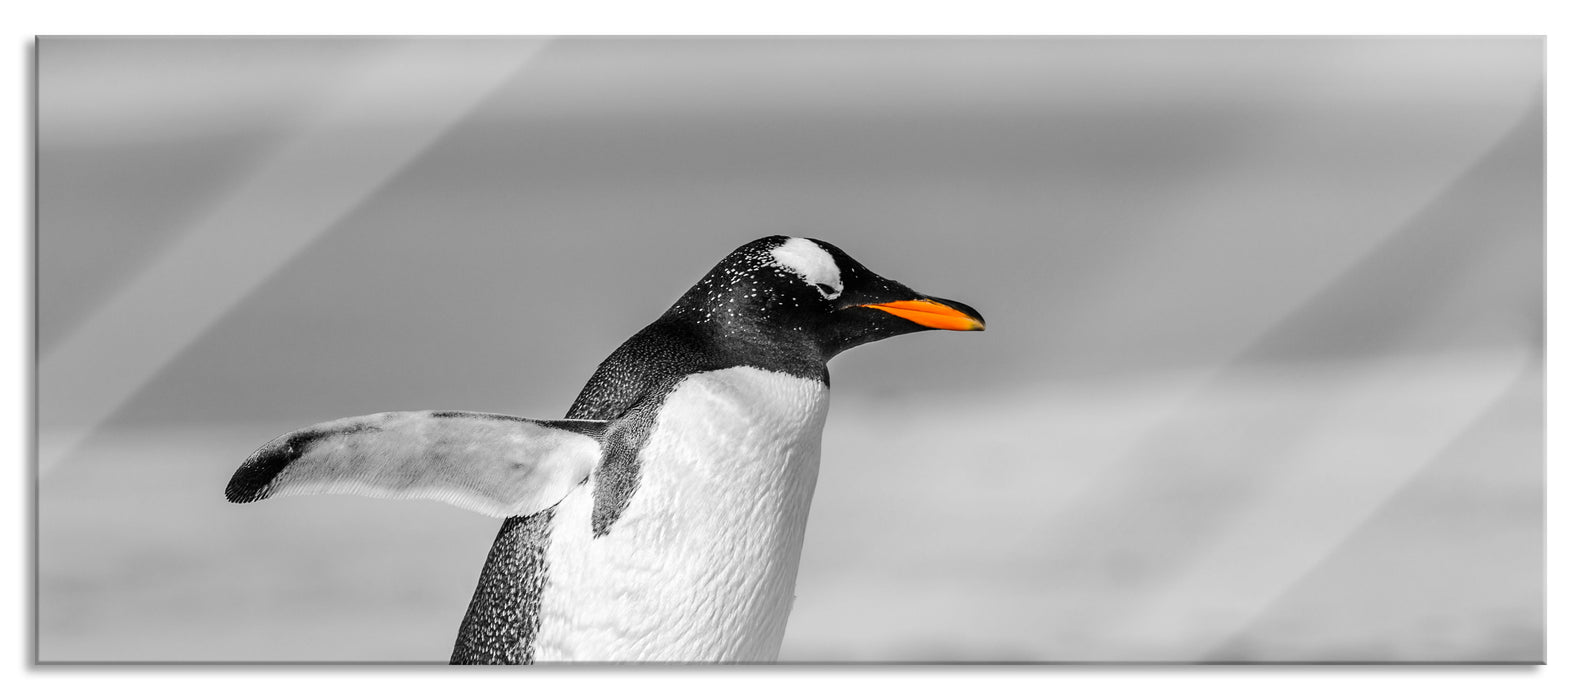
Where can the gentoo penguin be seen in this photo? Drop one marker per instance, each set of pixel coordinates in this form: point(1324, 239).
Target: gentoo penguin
point(662, 519)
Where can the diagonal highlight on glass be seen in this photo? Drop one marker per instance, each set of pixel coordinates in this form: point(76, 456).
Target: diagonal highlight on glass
point(1320, 489)
point(264, 223)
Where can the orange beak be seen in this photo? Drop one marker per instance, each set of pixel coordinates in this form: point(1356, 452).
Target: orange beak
point(931, 314)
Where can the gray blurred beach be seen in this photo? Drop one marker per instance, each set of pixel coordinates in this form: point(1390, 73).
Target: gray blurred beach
point(1263, 378)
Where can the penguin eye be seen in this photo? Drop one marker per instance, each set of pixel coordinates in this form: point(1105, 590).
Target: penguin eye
point(828, 291)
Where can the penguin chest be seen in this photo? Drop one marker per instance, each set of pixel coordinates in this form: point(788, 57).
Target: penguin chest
point(701, 565)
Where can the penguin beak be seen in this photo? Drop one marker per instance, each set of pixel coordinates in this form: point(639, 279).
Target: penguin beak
point(943, 314)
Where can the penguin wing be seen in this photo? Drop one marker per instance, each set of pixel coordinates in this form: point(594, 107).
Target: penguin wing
point(496, 465)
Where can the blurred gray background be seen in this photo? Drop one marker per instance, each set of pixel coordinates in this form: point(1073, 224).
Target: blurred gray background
point(1263, 379)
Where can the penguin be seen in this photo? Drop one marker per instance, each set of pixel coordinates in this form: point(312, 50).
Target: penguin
point(662, 519)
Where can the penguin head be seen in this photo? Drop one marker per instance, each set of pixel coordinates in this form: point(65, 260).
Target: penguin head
point(786, 292)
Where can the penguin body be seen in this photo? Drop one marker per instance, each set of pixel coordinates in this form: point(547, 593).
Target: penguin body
point(702, 564)
point(663, 519)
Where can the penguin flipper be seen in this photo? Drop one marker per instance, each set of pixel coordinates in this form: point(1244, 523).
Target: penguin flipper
point(497, 465)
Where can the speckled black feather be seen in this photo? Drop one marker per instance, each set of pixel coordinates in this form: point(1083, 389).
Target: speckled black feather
point(502, 620)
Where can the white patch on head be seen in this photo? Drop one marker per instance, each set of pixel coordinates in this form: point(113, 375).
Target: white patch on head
point(812, 263)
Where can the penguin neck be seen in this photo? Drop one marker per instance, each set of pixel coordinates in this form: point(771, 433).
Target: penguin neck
point(725, 341)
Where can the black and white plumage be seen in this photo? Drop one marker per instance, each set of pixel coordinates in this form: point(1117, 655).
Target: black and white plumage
point(662, 519)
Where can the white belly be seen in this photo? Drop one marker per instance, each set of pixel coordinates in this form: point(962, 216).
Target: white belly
point(702, 564)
